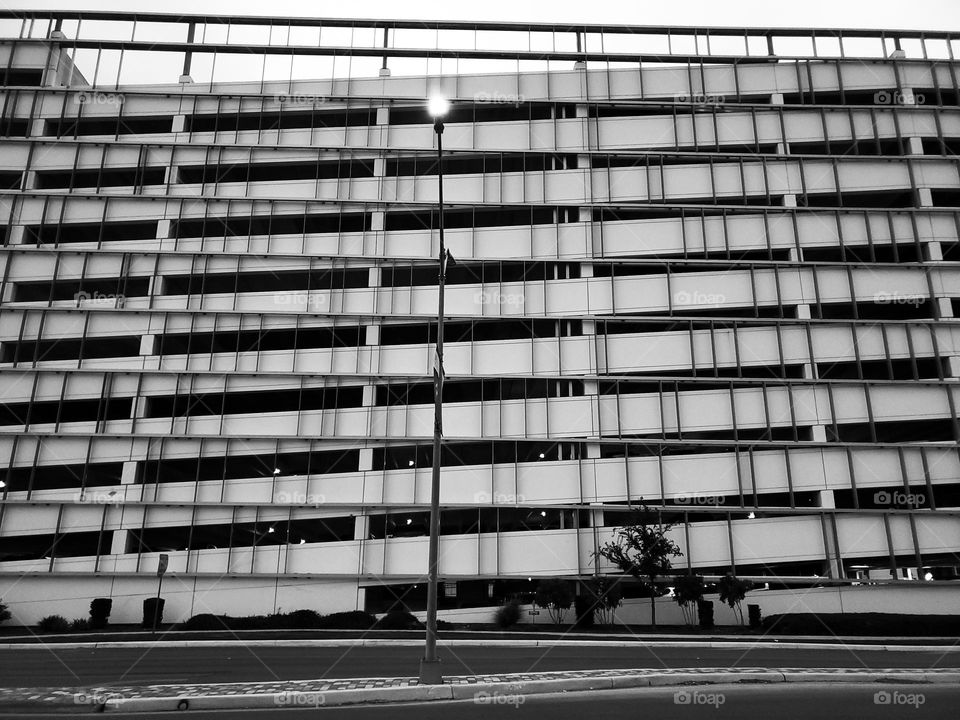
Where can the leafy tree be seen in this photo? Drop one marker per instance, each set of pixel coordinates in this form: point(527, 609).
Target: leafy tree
point(607, 594)
point(643, 551)
point(688, 591)
point(732, 591)
point(556, 595)
point(4, 612)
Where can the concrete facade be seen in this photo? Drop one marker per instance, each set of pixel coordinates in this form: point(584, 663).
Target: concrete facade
point(727, 290)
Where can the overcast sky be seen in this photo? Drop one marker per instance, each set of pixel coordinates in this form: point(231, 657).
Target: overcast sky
point(887, 14)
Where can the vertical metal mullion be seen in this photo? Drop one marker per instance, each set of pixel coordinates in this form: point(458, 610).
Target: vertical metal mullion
point(789, 468)
point(56, 537)
point(733, 559)
point(928, 481)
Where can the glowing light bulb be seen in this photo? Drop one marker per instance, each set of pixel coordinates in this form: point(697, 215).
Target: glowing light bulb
point(438, 106)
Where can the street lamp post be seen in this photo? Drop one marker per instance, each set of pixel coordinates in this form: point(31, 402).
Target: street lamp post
point(430, 672)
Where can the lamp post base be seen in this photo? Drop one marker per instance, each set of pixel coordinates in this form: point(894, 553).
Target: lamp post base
point(430, 672)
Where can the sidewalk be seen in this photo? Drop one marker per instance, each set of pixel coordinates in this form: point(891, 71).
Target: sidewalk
point(479, 688)
point(342, 637)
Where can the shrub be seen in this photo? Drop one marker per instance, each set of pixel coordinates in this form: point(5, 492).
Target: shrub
point(99, 612)
point(302, 619)
point(53, 624)
point(399, 620)
point(732, 591)
point(4, 612)
point(583, 606)
point(79, 625)
point(556, 595)
point(609, 596)
point(205, 621)
point(153, 611)
point(354, 620)
point(688, 591)
point(248, 622)
point(296, 620)
point(508, 615)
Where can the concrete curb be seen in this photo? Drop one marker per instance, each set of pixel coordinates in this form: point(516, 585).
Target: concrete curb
point(504, 693)
point(385, 642)
point(147, 636)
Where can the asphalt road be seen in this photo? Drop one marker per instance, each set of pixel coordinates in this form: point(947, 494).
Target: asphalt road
point(50, 666)
point(703, 702)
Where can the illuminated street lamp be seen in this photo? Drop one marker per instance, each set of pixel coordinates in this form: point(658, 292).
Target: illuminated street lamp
point(430, 673)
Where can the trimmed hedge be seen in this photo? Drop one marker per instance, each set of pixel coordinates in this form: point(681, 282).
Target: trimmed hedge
point(867, 624)
point(399, 620)
point(353, 620)
point(53, 624)
point(296, 620)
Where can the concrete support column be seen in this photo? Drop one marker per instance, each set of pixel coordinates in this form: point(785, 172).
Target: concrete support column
point(790, 201)
point(914, 146)
point(366, 459)
point(147, 344)
point(953, 366)
point(376, 242)
point(782, 147)
point(369, 396)
point(361, 531)
point(179, 123)
point(368, 356)
point(16, 237)
point(361, 526)
point(582, 113)
point(591, 389)
point(128, 474)
point(60, 65)
point(809, 367)
point(825, 499)
point(139, 409)
point(818, 433)
point(834, 568)
point(373, 277)
point(36, 127)
point(595, 350)
point(128, 478)
point(924, 197)
point(380, 131)
point(596, 516)
point(118, 542)
point(592, 241)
